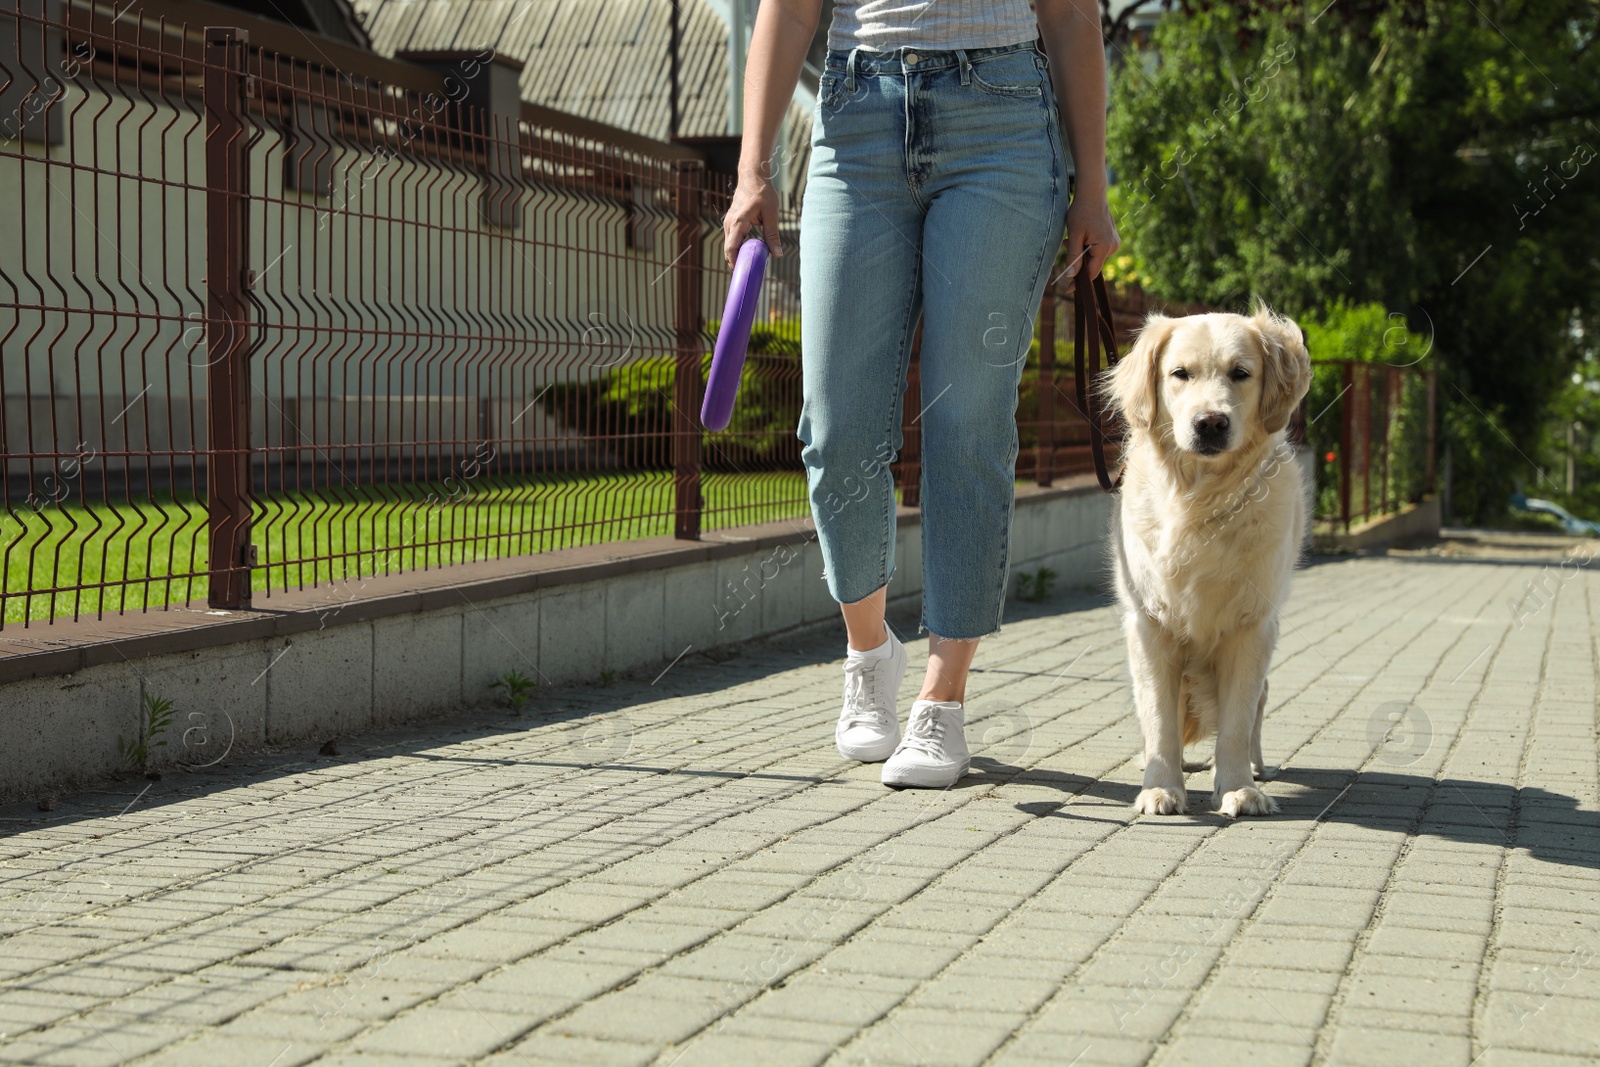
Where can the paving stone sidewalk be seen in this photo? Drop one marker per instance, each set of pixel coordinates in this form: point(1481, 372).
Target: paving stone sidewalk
point(684, 873)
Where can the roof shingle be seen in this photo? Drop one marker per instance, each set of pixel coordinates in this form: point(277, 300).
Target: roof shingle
point(605, 60)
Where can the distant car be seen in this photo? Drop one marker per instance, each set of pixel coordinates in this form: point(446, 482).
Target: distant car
point(1569, 522)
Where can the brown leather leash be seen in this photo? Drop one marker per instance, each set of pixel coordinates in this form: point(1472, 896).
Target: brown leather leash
point(1090, 300)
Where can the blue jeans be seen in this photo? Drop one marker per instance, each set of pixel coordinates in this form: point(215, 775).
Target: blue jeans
point(937, 187)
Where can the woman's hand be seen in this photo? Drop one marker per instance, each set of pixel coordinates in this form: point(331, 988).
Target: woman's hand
point(1091, 235)
point(755, 203)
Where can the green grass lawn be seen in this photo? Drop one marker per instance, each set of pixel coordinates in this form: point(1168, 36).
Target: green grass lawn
point(157, 550)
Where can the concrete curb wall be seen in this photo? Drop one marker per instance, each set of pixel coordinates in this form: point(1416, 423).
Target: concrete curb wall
point(322, 664)
point(1409, 523)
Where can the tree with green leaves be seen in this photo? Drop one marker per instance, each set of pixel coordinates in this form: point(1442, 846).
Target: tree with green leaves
point(1435, 157)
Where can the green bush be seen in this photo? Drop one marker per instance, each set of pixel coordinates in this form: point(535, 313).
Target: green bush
point(1576, 409)
point(1483, 458)
point(630, 406)
point(1532, 522)
point(1363, 333)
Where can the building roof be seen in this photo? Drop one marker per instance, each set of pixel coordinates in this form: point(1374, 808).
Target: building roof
point(331, 18)
point(605, 60)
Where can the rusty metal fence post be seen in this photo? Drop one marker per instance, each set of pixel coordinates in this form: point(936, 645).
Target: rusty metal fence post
point(687, 387)
point(1363, 398)
point(1346, 417)
point(1433, 404)
point(228, 339)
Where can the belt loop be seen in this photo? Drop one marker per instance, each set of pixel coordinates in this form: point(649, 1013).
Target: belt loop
point(850, 70)
point(966, 66)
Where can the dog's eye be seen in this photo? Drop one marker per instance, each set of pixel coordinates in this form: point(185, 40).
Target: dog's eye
point(1181, 373)
point(1238, 374)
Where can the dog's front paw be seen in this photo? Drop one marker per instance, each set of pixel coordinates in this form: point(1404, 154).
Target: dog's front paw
point(1160, 801)
point(1247, 801)
point(1262, 773)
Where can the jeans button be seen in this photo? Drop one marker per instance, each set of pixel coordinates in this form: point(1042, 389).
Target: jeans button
point(911, 58)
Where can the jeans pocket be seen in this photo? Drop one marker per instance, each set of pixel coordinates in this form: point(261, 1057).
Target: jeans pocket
point(1011, 74)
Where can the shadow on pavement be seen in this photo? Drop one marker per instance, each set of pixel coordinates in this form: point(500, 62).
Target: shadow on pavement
point(1545, 824)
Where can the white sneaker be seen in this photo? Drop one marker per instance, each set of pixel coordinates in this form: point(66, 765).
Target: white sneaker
point(933, 754)
point(868, 727)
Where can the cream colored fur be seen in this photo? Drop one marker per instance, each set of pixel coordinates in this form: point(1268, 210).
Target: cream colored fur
point(1204, 544)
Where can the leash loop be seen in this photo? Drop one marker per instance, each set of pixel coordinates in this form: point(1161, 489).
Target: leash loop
point(1091, 302)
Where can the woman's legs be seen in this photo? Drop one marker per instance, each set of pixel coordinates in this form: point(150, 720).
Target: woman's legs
point(949, 659)
point(935, 180)
point(861, 295)
point(995, 186)
point(987, 165)
point(995, 190)
point(863, 620)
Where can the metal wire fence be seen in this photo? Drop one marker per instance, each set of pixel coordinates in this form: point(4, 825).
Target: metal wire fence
point(1372, 435)
point(271, 322)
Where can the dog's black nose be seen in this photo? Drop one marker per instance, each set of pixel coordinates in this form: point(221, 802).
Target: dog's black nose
point(1212, 426)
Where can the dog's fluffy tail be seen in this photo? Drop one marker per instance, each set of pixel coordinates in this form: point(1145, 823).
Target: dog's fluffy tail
point(1191, 723)
point(1193, 727)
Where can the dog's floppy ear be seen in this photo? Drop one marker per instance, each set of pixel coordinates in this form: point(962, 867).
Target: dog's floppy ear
point(1133, 383)
point(1285, 367)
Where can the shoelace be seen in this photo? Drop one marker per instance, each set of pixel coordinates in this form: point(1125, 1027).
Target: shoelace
point(859, 710)
point(925, 731)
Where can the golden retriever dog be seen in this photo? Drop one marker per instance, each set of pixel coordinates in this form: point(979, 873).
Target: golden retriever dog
point(1205, 535)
